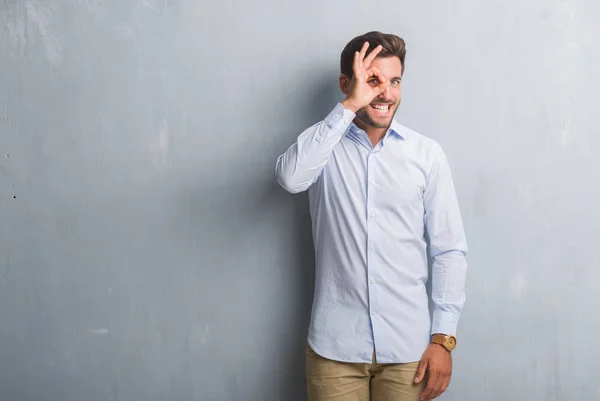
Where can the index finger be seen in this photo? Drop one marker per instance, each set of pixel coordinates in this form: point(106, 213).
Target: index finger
point(374, 72)
point(429, 390)
point(372, 55)
point(442, 385)
point(439, 389)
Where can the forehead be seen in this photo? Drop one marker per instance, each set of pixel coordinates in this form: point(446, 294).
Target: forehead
point(389, 66)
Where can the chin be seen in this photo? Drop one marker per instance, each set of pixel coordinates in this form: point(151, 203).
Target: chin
point(379, 122)
point(375, 119)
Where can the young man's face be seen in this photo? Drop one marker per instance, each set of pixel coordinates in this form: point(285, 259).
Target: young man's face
point(381, 111)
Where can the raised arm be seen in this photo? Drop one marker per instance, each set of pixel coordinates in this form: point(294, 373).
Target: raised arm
point(301, 165)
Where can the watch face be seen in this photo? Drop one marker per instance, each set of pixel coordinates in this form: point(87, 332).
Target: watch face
point(451, 342)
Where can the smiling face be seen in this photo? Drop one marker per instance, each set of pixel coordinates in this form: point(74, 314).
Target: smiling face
point(380, 112)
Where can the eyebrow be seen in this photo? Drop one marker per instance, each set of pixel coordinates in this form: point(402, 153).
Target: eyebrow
point(393, 79)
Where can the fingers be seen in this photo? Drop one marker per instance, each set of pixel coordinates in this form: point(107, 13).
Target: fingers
point(360, 64)
point(374, 72)
point(355, 63)
point(441, 386)
point(439, 371)
point(381, 86)
point(363, 51)
point(363, 88)
point(372, 56)
point(421, 371)
point(432, 387)
point(444, 385)
point(366, 62)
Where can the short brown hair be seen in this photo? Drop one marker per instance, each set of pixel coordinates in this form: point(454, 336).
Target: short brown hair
point(393, 46)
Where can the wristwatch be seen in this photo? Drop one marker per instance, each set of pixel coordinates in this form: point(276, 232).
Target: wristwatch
point(448, 342)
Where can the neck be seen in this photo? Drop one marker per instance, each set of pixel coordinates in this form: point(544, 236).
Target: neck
point(375, 134)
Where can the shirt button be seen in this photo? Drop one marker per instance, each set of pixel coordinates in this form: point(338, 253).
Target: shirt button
point(372, 182)
point(373, 281)
point(372, 248)
point(346, 121)
point(337, 116)
point(373, 313)
point(373, 215)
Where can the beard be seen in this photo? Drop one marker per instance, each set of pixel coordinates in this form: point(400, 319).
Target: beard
point(373, 121)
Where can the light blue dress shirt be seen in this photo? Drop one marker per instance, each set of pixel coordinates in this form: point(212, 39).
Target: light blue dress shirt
point(370, 209)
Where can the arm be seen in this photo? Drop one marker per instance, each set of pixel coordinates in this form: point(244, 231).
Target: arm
point(448, 245)
point(300, 166)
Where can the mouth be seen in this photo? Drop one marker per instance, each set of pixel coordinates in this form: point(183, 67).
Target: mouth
point(381, 109)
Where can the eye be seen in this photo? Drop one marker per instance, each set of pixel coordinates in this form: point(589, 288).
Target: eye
point(373, 81)
point(396, 82)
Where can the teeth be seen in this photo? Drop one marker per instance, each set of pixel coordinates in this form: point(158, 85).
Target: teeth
point(381, 107)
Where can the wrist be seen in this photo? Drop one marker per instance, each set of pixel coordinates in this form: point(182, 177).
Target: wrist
point(446, 341)
point(349, 105)
point(438, 346)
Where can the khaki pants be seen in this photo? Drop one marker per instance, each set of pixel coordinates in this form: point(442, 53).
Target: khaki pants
point(329, 380)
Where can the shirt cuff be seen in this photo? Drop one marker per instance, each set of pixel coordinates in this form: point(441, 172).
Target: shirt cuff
point(339, 118)
point(444, 322)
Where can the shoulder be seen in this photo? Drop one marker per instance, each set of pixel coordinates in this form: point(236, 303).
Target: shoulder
point(425, 145)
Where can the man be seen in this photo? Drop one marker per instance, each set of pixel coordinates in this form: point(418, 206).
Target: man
point(376, 189)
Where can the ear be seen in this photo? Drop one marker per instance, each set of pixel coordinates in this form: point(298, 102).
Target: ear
point(344, 84)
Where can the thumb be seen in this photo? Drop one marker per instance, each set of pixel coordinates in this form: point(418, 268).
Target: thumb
point(382, 87)
point(421, 371)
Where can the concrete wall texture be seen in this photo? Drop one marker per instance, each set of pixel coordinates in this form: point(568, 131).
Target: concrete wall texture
point(146, 252)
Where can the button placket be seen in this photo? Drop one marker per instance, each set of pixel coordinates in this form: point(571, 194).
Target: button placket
point(371, 234)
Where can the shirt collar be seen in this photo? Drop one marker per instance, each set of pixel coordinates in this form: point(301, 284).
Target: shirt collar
point(395, 129)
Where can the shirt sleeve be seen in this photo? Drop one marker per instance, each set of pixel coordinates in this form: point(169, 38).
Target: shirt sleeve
point(300, 166)
point(448, 245)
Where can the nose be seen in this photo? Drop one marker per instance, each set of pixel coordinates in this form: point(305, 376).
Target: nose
point(386, 94)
